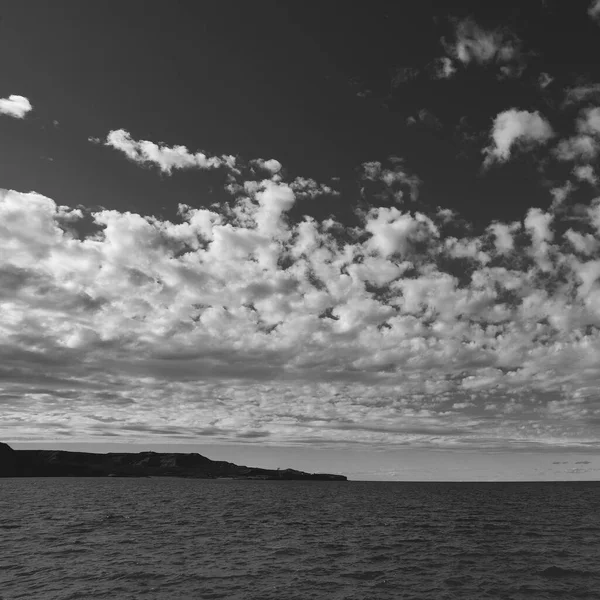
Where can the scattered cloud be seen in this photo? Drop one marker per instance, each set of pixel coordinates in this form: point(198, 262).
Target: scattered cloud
point(544, 80)
point(239, 322)
point(15, 106)
point(395, 180)
point(589, 92)
point(308, 188)
point(426, 118)
point(585, 145)
point(516, 127)
point(577, 148)
point(443, 68)
point(589, 121)
point(403, 75)
point(472, 44)
point(170, 158)
point(246, 321)
point(272, 166)
point(165, 158)
point(594, 10)
point(585, 173)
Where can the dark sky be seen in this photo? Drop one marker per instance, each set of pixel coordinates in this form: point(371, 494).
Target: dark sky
point(271, 80)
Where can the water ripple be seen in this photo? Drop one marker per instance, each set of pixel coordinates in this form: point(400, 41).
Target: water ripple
point(67, 539)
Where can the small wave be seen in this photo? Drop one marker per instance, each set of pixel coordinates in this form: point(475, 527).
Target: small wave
point(457, 580)
point(587, 528)
point(115, 517)
point(558, 572)
point(532, 533)
point(311, 552)
point(81, 530)
point(379, 558)
point(364, 575)
point(139, 576)
point(496, 527)
point(67, 551)
point(288, 551)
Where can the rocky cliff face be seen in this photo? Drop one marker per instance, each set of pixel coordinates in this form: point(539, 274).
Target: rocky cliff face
point(58, 463)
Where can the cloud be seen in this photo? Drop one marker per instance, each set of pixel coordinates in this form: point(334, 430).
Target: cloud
point(272, 166)
point(544, 80)
point(170, 158)
point(582, 93)
point(239, 322)
point(426, 118)
point(577, 148)
point(585, 145)
point(589, 121)
point(15, 106)
point(472, 44)
point(443, 68)
point(165, 158)
point(397, 233)
point(308, 188)
point(594, 10)
point(585, 173)
point(504, 236)
point(403, 75)
point(516, 127)
point(394, 181)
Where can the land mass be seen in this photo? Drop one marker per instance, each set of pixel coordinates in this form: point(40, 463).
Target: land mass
point(60, 463)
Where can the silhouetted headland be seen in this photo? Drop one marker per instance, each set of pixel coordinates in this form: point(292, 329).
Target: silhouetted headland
point(60, 463)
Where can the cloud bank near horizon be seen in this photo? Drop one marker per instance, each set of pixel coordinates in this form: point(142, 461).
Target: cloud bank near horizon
point(236, 322)
point(250, 321)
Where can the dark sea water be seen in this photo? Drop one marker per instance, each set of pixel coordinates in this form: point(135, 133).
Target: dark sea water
point(182, 539)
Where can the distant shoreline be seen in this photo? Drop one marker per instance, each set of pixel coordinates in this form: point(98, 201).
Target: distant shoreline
point(62, 463)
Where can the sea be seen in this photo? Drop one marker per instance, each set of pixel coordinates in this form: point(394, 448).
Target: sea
point(175, 539)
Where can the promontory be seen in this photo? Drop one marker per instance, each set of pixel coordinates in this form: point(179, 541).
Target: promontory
point(60, 463)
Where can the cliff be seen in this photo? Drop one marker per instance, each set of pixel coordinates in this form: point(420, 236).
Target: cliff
point(59, 463)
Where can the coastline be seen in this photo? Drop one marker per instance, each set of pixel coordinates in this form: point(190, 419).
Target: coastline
point(62, 463)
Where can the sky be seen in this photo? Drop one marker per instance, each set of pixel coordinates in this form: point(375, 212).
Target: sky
point(358, 240)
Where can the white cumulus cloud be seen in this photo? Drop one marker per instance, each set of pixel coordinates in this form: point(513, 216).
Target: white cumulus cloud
point(15, 106)
point(165, 158)
point(237, 323)
point(516, 127)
